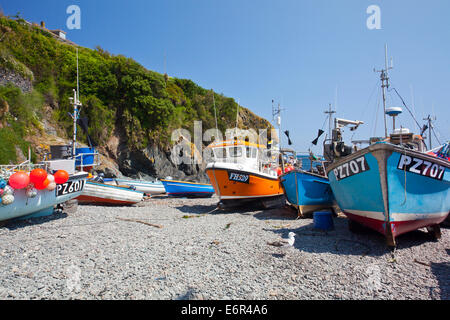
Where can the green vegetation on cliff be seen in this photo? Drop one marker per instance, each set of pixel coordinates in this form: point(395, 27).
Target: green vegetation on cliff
point(118, 94)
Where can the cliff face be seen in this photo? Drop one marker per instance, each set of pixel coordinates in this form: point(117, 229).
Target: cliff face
point(132, 111)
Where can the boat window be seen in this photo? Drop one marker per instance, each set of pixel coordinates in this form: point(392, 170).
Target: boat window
point(253, 152)
point(248, 152)
point(235, 152)
point(220, 153)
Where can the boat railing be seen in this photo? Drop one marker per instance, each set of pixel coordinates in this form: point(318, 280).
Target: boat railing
point(7, 170)
point(79, 160)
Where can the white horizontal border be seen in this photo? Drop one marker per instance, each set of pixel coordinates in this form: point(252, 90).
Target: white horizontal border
point(368, 214)
point(417, 216)
point(397, 216)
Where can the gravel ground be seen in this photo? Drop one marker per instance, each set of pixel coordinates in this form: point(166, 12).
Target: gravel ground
point(202, 253)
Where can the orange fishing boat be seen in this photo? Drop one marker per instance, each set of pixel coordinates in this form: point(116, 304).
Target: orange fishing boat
point(241, 171)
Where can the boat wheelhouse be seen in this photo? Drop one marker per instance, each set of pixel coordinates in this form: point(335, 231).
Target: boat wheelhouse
point(241, 171)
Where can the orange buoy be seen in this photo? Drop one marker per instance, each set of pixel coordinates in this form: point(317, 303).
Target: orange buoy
point(61, 176)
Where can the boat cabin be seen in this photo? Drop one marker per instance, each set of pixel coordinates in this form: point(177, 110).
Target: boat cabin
point(249, 155)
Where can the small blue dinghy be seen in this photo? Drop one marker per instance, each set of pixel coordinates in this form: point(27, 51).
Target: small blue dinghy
point(188, 189)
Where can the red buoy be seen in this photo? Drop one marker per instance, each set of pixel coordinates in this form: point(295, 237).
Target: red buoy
point(19, 180)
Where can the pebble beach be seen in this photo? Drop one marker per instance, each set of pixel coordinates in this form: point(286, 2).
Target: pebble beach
point(187, 249)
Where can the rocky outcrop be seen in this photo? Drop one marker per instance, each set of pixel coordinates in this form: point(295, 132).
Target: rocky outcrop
point(152, 162)
point(11, 77)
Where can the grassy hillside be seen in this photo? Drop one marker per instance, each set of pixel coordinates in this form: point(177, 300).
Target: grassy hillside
point(118, 94)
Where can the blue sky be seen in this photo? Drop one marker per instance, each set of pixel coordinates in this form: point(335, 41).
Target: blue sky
point(303, 54)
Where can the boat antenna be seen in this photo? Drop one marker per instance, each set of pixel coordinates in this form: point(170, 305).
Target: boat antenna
point(78, 83)
point(237, 114)
point(76, 103)
point(429, 126)
point(384, 85)
point(330, 119)
point(215, 115)
point(276, 115)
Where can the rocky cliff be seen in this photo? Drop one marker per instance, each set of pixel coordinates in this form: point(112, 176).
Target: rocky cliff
point(131, 111)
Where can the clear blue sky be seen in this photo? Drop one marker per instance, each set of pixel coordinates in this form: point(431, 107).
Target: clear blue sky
point(304, 54)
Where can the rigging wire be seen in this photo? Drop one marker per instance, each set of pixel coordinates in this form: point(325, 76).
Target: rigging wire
point(432, 129)
point(404, 104)
point(377, 111)
point(367, 105)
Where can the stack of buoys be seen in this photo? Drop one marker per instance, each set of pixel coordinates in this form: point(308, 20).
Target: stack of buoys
point(37, 179)
point(279, 172)
point(288, 168)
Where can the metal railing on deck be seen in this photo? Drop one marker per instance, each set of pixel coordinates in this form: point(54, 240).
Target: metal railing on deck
point(7, 170)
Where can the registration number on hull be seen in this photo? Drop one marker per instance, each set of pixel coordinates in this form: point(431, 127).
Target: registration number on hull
point(420, 166)
point(351, 168)
point(238, 177)
point(69, 187)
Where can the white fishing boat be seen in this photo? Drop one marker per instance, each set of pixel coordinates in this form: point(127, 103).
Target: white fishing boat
point(147, 187)
point(105, 194)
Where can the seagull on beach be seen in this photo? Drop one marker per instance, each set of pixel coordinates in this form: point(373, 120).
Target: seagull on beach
point(289, 242)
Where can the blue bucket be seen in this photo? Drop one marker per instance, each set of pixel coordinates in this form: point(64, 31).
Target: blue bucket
point(323, 220)
point(88, 159)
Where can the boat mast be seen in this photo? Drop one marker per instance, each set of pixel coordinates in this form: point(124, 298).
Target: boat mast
point(76, 104)
point(384, 85)
point(429, 119)
point(215, 115)
point(330, 119)
point(276, 114)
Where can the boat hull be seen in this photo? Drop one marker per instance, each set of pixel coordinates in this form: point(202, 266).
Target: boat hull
point(147, 187)
point(393, 191)
point(187, 189)
point(306, 191)
point(235, 184)
point(44, 202)
point(104, 194)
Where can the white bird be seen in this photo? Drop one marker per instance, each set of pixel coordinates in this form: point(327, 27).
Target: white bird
point(284, 242)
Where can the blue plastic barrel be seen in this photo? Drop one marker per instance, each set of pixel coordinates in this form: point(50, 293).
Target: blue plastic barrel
point(323, 220)
point(88, 159)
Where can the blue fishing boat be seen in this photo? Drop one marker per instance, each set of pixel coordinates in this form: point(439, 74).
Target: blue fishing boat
point(392, 186)
point(188, 189)
point(44, 201)
point(307, 191)
point(391, 189)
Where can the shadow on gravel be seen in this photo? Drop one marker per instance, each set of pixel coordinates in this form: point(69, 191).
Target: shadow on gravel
point(17, 224)
point(442, 273)
point(284, 213)
point(342, 241)
point(190, 294)
point(213, 209)
point(198, 209)
point(414, 238)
